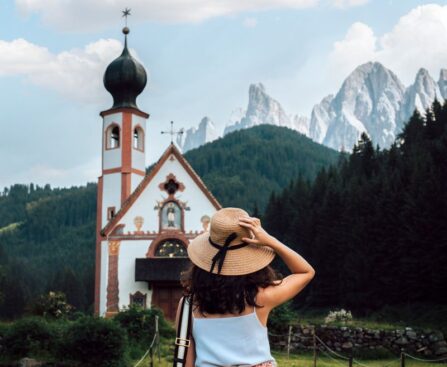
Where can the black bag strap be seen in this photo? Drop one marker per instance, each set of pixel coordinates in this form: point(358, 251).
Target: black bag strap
point(182, 340)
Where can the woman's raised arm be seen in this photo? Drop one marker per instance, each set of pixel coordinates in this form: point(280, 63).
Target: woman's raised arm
point(302, 271)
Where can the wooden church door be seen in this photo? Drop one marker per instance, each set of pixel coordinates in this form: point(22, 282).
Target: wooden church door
point(166, 298)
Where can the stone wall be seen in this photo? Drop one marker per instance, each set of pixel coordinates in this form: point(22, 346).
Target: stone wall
point(424, 343)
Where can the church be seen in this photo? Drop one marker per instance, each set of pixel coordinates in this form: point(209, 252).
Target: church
point(144, 220)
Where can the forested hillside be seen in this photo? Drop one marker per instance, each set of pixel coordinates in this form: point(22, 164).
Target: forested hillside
point(46, 242)
point(244, 167)
point(374, 225)
point(47, 236)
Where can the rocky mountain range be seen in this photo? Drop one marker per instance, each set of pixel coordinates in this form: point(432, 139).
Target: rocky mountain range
point(197, 136)
point(263, 109)
point(372, 99)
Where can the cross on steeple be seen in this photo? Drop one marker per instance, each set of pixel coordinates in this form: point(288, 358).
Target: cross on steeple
point(172, 132)
point(126, 13)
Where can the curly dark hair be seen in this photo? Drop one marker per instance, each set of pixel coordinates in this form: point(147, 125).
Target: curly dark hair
point(220, 294)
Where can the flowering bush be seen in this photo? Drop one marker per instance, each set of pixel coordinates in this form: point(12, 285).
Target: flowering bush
point(52, 305)
point(338, 315)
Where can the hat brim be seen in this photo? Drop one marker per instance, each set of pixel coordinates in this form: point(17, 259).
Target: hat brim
point(241, 261)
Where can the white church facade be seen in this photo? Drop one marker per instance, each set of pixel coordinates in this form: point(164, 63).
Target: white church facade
point(144, 220)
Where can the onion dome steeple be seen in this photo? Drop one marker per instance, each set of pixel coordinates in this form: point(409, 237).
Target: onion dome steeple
point(125, 78)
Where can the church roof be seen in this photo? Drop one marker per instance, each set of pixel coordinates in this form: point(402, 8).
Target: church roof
point(172, 149)
point(125, 78)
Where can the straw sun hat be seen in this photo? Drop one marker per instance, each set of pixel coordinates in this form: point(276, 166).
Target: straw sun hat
point(222, 251)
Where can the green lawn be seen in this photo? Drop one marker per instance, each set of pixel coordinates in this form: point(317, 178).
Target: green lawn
point(306, 360)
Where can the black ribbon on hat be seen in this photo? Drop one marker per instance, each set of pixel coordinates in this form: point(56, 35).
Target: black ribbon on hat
point(219, 258)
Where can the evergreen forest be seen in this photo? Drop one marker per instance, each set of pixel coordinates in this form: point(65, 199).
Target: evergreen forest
point(374, 224)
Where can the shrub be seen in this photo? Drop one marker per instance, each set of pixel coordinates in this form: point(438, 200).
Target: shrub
point(139, 324)
point(4, 327)
point(281, 317)
point(30, 336)
point(52, 305)
point(338, 316)
point(93, 341)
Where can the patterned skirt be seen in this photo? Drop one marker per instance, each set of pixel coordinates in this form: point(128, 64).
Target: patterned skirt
point(267, 364)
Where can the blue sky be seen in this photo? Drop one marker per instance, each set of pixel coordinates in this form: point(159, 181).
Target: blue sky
point(201, 57)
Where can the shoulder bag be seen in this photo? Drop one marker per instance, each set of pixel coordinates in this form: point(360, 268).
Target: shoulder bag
point(182, 340)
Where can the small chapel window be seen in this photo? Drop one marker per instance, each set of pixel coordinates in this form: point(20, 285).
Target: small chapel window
point(171, 248)
point(138, 138)
point(138, 299)
point(110, 212)
point(113, 137)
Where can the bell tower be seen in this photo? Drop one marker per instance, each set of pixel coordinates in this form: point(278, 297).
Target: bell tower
point(124, 130)
point(123, 142)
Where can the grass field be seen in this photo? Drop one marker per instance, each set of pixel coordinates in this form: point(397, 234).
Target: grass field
point(306, 360)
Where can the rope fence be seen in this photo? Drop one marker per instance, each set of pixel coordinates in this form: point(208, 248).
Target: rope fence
point(319, 346)
point(425, 360)
point(341, 359)
point(154, 344)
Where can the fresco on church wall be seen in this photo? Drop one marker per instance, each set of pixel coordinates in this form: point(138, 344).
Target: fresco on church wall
point(205, 222)
point(171, 216)
point(138, 221)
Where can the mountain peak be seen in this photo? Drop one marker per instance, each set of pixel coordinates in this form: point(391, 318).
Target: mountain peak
point(368, 101)
point(422, 74)
point(261, 109)
point(368, 66)
point(373, 67)
point(420, 94)
point(205, 122)
point(442, 83)
point(192, 138)
point(256, 88)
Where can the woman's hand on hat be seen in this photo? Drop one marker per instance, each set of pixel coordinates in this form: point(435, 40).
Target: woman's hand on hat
point(260, 236)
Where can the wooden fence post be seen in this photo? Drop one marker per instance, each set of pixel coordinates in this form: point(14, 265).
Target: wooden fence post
point(289, 340)
point(315, 346)
point(155, 340)
point(350, 358)
point(402, 357)
point(157, 333)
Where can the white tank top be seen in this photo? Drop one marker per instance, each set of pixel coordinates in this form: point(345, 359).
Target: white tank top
point(231, 341)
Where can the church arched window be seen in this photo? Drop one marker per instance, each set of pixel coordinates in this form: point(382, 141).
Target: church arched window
point(113, 137)
point(171, 216)
point(138, 138)
point(171, 248)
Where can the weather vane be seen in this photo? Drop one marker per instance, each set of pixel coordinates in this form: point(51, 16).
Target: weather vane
point(126, 13)
point(172, 132)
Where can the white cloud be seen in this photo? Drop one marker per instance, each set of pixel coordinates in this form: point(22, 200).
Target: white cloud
point(348, 3)
point(78, 15)
point(42, 174)
point(75, 73)
point(358, 47)
point(250, 22)
point(417, 40)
